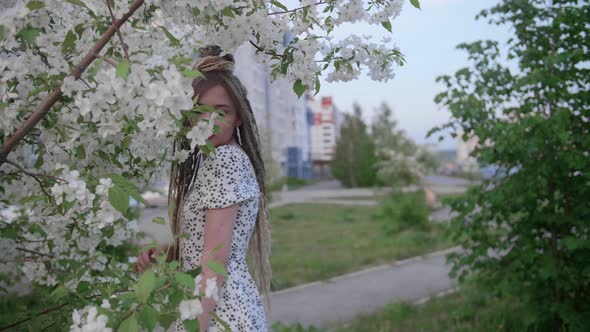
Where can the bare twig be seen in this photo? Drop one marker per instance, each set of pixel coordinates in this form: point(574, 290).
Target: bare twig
point(299, 8)
point(125, 47)
point(261, 49)
point(35, 176)
point(55, 95)
point(110, 61)
point(33, 252)
point(46, 311)
point(24, 260)
point(5, 328)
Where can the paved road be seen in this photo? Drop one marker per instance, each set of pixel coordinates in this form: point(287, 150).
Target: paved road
point(340, 299)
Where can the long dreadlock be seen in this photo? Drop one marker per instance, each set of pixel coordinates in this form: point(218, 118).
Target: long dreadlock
point(218, 70)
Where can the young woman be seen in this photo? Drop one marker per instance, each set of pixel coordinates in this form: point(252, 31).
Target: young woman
point(220, 200)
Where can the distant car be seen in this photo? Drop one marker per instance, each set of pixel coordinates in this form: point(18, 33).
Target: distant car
point(489, 171)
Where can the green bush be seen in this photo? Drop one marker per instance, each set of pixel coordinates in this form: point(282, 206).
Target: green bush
point(401, 211)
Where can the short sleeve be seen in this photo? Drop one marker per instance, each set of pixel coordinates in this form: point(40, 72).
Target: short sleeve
point(225, 178)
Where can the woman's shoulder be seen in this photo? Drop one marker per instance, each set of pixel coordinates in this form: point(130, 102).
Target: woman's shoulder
point(227, 152)
point(229, 158)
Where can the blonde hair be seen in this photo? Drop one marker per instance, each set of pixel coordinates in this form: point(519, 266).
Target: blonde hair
point(217, 70)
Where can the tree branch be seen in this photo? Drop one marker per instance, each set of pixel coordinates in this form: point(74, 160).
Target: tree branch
point(55, 95)
point(125, 47)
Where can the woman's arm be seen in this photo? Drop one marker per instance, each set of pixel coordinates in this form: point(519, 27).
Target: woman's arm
point(219, 225)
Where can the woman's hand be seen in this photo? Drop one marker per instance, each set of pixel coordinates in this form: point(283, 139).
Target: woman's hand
point(146, 258)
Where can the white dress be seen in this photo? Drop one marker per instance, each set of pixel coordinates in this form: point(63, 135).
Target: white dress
point(222, 180)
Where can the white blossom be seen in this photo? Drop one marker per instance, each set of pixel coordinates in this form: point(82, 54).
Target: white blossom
point(104, 186)
point(190, 309)
point(91, 323)
point(197, 281)
point(199, 133)
point(211, 290)
point(181, 155)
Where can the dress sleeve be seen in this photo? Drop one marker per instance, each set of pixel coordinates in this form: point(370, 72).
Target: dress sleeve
point(225, 178)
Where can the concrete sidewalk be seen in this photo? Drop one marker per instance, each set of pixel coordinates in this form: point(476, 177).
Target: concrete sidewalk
point(340, 299)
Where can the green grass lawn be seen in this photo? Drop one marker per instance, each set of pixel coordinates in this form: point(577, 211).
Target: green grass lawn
point(454, 312)
point(464, 311)
point(360, 198)
point(313, 242)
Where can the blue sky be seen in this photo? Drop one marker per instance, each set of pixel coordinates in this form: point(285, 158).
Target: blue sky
point(427, 38)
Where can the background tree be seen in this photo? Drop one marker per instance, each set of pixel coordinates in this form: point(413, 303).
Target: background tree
point(354, 160)
point(534, 121)
point(400, 161)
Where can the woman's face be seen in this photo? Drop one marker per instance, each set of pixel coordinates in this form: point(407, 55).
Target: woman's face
point(218, 97)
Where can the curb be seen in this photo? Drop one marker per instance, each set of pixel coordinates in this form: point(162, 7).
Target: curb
point(369, 270)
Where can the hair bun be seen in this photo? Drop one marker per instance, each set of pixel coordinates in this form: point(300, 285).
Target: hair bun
point(214, 50)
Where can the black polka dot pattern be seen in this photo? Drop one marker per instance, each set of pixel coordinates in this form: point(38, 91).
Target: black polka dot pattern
point(224, 179)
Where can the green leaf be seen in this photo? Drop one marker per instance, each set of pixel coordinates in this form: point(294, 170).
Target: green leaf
point(123, 69)
point(195, 272)
point(69, 42)
point(185, 279)
point(34, 5)
point(191, 325)
point(82, 286)
point(126, 142)
point(118, 198)
point(191, 73)
point(129, 324)
point(221, 321)
point(159, 220)
point(32, 198)
point(77, 3)
point(1, 32)
point(299, 88)
point(176, 297)
point(217, 249)
point(415, 3)
point(29, 34)
point(58, 293)
point(166, 319)
point(227, 11)
point(145, 285)
point(317, 85)
point(148, 317)
point(278, 4)
point(217, 267)
point(183, 236)
point(80, 152)
point(161, 281)
point(386, 25)
point(127, 186)
point(174, 40)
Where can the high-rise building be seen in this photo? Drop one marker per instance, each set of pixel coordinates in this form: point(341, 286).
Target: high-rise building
point(324, 132)
point(280, 115)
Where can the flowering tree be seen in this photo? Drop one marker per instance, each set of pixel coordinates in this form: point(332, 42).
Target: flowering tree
point(400, 161)
point(97, 91)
